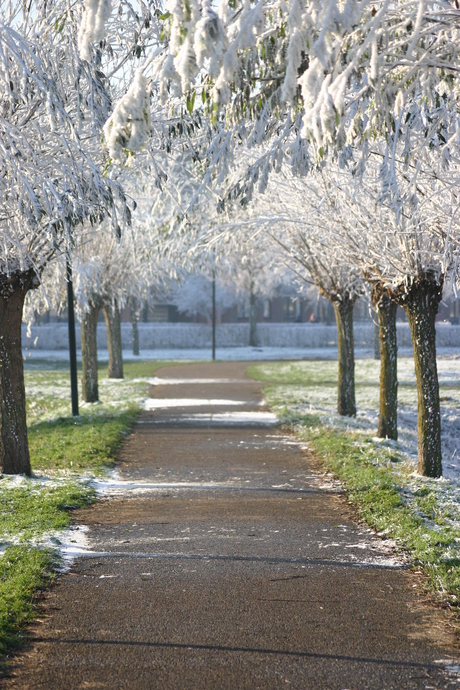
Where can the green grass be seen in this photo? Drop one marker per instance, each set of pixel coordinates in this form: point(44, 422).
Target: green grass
point(28, 513)
point(84, 444)
point(385, 503)
point(23, 570)
point(420, 514)
point(66, 450)
point(87, 443)
point(33, 509)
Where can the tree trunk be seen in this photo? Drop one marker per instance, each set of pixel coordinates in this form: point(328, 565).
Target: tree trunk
point(89, 382)
point(421, 304)
point(14, 446)
point(112, 322)
point(388, 413)
point(252, 319)
point(346, 404)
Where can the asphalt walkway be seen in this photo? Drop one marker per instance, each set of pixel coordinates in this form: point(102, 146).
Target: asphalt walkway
point(244, 569)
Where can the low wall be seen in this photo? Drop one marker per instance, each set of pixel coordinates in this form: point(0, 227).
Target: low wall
point(183, 335)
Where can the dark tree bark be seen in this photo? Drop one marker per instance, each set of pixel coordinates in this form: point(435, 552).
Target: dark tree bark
point(421, 302)
point(112, 322)
point(89, 381)
point(386, 314)
point(14, 446)
point(346, 404)
point(252, 319)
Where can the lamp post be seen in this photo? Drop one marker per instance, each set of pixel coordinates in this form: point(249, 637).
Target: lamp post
point(72, 340)
point(213, 316)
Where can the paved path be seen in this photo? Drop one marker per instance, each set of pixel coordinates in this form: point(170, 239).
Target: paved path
point(245, 571)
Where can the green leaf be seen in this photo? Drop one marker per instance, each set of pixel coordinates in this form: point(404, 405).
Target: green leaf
point(191, 102)
point(215, 113)
point(165, 15)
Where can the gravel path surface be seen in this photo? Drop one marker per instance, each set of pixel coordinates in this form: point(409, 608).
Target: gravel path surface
point(225, 559)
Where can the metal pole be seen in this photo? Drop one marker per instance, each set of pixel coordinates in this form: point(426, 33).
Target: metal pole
point(213, 317)
point(72, 342)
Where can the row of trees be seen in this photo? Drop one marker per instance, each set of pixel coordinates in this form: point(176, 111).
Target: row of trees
point(361, 99)
point(328, 129)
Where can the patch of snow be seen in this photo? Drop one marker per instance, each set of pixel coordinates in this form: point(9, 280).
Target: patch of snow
point(37, 480)
point(73, 542)
point(112, 487)
point(165, 403)
point(158, 381)
point(256, 418)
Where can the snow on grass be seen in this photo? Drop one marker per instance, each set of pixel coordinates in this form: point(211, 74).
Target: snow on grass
point(66, 453)
point(35, 510)
point(311, 387)
point(48, 395)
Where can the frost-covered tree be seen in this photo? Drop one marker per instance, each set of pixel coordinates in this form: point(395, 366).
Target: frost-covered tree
point(314, 259)
point(405, 238)
point(299, 221)
point(104, 274)
point(50, 181)
point(250, 263)
point(333, 72)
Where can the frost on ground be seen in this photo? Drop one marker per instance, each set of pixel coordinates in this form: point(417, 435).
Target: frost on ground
point(32, 514)
point(48, 395)
point(318, 396)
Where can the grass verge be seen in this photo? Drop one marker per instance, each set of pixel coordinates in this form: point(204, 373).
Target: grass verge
point(420, 514)
point(85, 444)
point(30, 514)
point(23, 570)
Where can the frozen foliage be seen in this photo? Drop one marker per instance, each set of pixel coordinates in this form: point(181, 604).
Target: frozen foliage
point(128, 128)
point(337, 74)
point(296, 215)
point(92, 27)
point(349, 65)
point(51, 111)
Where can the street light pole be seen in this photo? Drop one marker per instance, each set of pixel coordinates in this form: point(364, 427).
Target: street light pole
point(72, 341)
point(213, 316)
